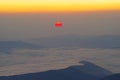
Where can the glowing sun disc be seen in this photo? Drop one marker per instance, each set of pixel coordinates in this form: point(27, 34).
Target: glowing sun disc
point(58, 24)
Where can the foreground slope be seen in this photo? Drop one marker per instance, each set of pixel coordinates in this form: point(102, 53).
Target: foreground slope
point(71, 73)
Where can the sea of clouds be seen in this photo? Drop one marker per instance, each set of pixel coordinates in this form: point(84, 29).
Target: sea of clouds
point(22, 61)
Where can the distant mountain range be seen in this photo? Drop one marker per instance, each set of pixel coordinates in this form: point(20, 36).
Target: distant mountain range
point(88, 71)
point(111, 42)
point(104, 42)
point(9, 46)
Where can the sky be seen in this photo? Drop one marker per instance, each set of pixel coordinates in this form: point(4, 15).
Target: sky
point(26, 19)
point(13, 6)
point(28, 26)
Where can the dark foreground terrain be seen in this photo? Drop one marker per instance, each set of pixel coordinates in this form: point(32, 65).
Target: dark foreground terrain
point(87, 71)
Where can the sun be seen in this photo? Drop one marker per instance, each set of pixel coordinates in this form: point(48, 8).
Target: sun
point(58, 24)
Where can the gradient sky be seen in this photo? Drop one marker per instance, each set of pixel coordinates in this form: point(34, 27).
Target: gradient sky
point(26, 26)
point(57, 5)
point(33, 18)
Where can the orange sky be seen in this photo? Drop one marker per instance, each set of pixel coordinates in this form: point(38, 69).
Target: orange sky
point(11, 6)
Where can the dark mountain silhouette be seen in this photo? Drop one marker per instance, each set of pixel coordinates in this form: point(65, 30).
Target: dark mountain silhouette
point(113, 77)
point(88, 71)
point(93, 69)
point(112, 42)
point(9, 46)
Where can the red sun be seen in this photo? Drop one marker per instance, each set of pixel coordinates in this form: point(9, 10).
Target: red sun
point(58, 24)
